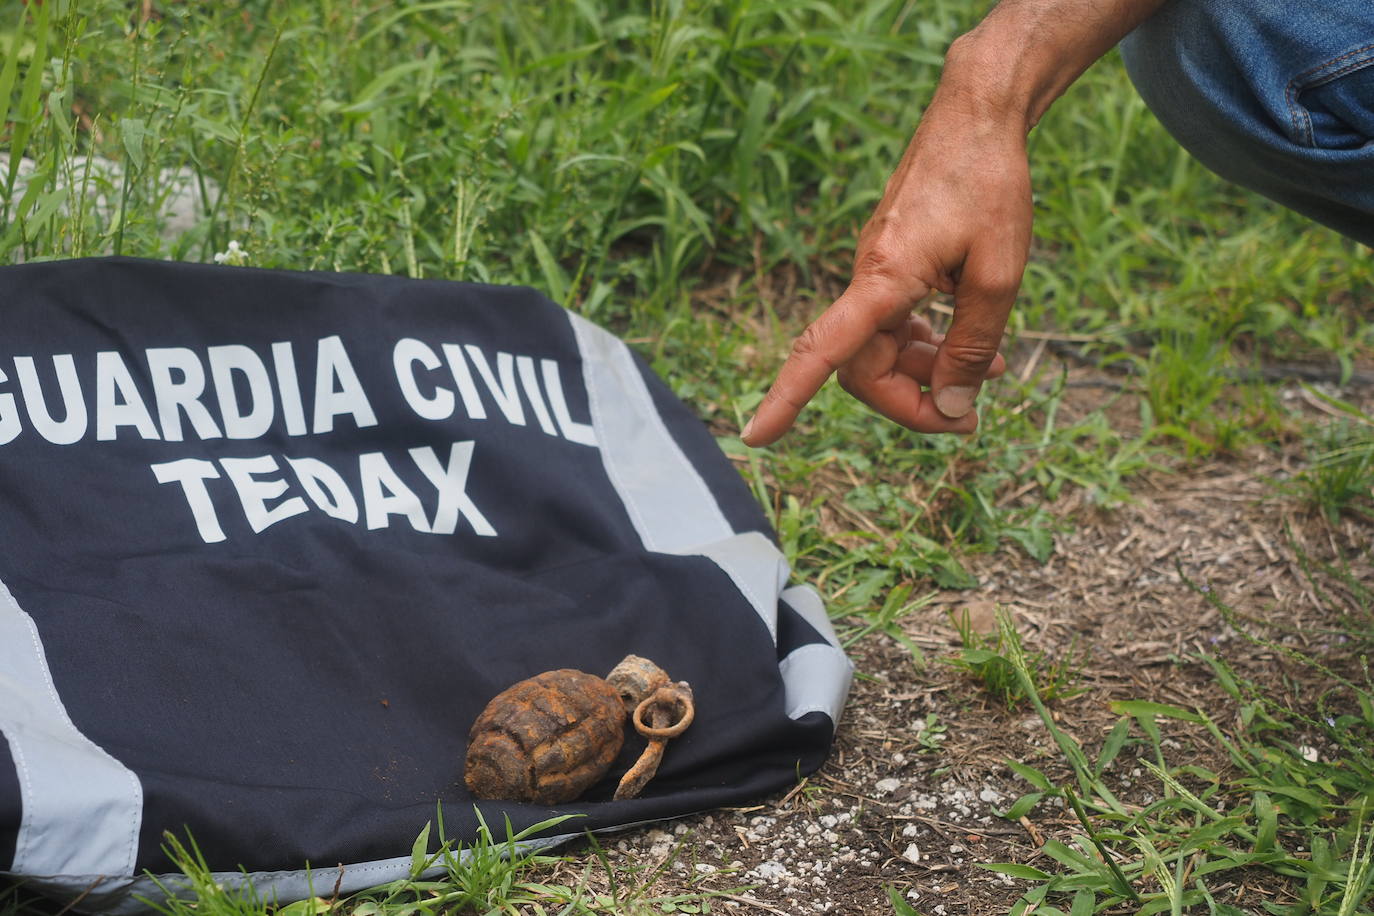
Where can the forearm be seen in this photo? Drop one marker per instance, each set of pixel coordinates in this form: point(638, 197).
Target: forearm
point(1026, 53)
point(955, 216)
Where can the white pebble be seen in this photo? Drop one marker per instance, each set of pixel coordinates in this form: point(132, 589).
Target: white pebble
point(771, 871)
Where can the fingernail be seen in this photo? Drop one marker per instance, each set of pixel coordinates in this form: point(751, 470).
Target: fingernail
point(748, 428)
point(955, 401)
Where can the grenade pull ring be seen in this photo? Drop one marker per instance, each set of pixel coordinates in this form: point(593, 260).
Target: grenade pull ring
point(663, 715)
point(661, 706)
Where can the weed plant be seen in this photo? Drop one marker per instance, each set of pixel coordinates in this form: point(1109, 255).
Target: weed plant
point(1298, 801)
point(488, 876)
point(1339, 477)
point(989, 660)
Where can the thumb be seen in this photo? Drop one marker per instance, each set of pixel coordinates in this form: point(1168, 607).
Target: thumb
point(968, 355)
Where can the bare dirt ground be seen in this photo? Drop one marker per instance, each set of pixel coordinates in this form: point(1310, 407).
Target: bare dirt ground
point(906, 799)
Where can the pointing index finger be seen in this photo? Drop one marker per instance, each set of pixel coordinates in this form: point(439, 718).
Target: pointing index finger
point(826, 344)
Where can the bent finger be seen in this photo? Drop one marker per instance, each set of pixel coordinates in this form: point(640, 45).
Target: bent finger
point(902, 400)
point(917, 359)
point(920, 330)
point(876, 376)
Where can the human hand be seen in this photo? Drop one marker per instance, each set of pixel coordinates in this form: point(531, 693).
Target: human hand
point(955, 217)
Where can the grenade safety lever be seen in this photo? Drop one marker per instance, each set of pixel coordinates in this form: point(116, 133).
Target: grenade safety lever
point(665, 714)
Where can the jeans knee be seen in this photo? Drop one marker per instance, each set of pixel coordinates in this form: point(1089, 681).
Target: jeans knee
point(1270, 94)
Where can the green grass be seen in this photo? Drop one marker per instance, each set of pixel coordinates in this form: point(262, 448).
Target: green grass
point(694, 174)
point(1297, 801)
point(989, 659)
point(496, 877)
point(1340, 469)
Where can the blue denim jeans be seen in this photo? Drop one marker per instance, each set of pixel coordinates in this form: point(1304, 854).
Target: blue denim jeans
point(1276, 95)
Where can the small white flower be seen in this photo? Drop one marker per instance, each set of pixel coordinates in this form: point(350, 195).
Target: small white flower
point(235, 256)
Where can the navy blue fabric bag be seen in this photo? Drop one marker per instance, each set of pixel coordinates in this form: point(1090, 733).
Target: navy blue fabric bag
point(271, 541)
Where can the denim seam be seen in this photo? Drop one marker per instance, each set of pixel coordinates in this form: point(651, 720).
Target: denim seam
point(1317, 76)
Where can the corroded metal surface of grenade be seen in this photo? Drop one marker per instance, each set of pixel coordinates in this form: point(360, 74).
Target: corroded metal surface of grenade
point(545, 740)
point(551, 737)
